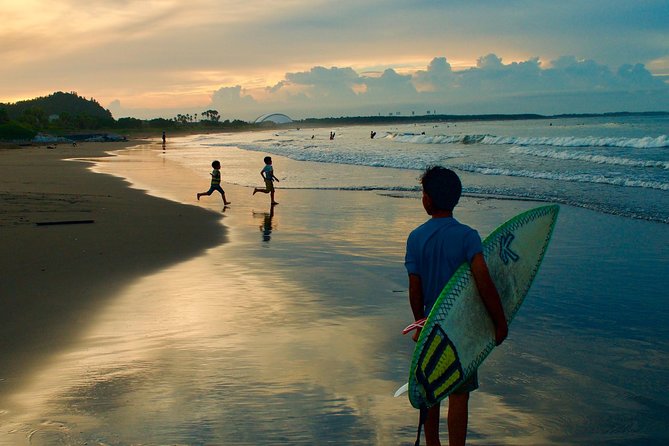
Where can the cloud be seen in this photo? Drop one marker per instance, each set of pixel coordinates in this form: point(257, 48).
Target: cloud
point(168, 54)
point(233, 96)
point(491, 87)
point(390, 88)
point(564, 85)
point(438, 76)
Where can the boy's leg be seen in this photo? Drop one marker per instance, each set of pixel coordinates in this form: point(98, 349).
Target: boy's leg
point(209, 192)
point(222, 192)
point(200, 194)
point(458, 412)
point(269, 186)
point(431, 426)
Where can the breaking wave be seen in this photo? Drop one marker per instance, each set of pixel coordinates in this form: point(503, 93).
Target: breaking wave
point(647, 142)
point(597, 159)
point(324, 154)
point(578, 177)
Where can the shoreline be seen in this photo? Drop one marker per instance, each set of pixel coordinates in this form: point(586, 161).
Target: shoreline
point(315, 285)
point(55, 276)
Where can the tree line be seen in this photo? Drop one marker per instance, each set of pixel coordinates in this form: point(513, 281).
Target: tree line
point(68, 113)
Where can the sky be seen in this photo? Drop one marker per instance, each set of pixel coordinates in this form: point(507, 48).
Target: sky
point(322, 58)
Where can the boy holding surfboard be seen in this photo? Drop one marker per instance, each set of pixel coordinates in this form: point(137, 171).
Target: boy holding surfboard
point(434, 251)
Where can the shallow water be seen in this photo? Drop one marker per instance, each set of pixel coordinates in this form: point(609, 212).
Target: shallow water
point(290, 333)
point(617, 165)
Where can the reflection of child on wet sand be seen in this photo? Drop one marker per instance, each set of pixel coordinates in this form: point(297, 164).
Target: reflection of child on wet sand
point(266, 227)
point(215, 182)
point(267, 173)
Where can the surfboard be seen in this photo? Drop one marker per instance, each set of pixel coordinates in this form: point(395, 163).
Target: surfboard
point(458, 334)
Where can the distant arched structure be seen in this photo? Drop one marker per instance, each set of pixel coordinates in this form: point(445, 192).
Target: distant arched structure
point(277, 118)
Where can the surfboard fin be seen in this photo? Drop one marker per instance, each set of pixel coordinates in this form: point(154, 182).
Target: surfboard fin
point(402, 390)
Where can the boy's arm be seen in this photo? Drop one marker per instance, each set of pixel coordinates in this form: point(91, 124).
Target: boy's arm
point(416, 300)
point(274, 176)
point(490, 296)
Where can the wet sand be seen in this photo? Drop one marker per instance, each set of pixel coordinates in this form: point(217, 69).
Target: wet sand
point(251, 325)
point(54, 277)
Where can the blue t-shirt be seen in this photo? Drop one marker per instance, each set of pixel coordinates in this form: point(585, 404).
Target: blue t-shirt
point(269, 172)
point(435, 250)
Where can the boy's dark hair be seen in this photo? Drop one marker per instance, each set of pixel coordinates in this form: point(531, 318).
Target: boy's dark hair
point(443, 186)
point(267, 159)
point(215, 163)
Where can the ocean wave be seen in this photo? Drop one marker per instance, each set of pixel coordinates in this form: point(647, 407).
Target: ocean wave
point(416, 138)
point(325, 154)
point(647, 142)
point(597, 159)
point(567, 177)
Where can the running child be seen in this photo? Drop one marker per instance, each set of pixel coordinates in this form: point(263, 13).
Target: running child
point(215, 183)
point(267, 173)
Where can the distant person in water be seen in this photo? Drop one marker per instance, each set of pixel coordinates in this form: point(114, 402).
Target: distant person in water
point(215, 183)
point(267, 173)
point(372, 134)
point(164, 138)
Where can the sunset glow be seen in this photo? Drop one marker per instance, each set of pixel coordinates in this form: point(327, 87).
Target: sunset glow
point(157, 58)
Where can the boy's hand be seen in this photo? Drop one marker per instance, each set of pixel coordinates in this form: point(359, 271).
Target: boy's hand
point(490, 297)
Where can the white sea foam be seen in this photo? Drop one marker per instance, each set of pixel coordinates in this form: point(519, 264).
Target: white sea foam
point(619, 173)
point(574, 141)
point(564, 176)
point(413, 138)
point(557, 141)
point(371, 158)
point(597, 159)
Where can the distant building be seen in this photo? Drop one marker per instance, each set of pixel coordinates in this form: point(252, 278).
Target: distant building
point(277, 118)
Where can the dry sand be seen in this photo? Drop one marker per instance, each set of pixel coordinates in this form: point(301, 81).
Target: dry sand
point(55, 276)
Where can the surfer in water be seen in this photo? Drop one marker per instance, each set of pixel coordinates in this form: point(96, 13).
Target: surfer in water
point(434, 251)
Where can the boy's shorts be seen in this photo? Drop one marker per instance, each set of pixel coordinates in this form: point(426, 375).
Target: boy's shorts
point(213, 188)
point(269, 185)
point(470, 385)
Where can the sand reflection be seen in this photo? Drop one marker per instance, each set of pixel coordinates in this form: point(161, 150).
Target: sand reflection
point(182, 354)
point(289, 334)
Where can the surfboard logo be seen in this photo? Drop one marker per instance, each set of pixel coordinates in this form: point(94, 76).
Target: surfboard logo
point(439, 369)
point(505, 251)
